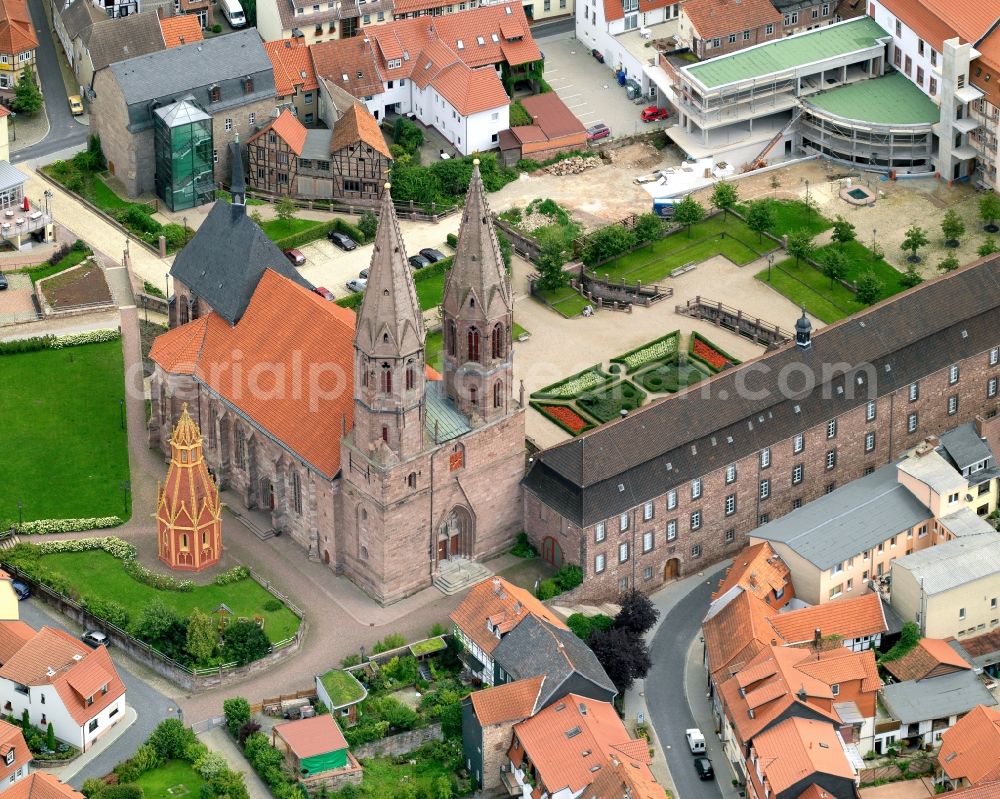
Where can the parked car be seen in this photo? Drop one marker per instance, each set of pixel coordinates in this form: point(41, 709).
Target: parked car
point(652, 114)
point(695, 740)
point(363, 274)
point(75, 105)
point(418, 261)
point(704, 768)
point(22, 590)
point(3, 281)
point(94, 638)
point(357, 284)
point(344, 242)
point(598, 55)
point(325, 293)
point(432, 255)
point(598, 131)
point(295, 257)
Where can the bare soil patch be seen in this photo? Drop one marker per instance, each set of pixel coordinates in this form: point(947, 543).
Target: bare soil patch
point(81, 285)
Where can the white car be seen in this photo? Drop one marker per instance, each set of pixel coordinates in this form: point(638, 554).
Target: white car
point(695, 741)
point(357, 284)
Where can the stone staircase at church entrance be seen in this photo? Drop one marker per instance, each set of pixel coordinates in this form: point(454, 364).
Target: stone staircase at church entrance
point(457, 574)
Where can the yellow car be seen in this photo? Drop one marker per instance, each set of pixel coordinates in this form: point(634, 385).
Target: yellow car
point(75, 105)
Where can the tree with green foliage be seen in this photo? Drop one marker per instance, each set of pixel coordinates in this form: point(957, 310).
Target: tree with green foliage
point(236, 710)
point(869, 287)
point(606, 243)
point(27, 97)
point(551, 257)
point(407, 135)
point(725, 197)
point(519, 115)
point(25, 720)
point(760, 217)
point(161, 628)
point(243, 641)
point(250, 12)
point(988, 247)
point(909, 637)
point(368, 224)
point(949, 263)
point(834, 264)
point(202, 636)
point(910, 278)
point(582, 625)
point(952, 227)
point(989, 211)
point(258, 220)
point(913, 240)
point(800, 245)
point(391, 641)
point(648, 227)
point(96, 151)
point(285, 209)
point(843, 231)
point(171, 738)
point(688, 212)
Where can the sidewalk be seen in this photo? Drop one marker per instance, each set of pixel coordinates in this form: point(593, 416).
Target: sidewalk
point(67, 772)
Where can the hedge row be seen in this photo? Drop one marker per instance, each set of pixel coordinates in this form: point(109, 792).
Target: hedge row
point(46, 526)
point(57, 343)
point(318, 231)
point(695, 336)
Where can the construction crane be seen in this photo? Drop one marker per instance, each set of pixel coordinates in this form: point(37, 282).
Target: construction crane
point(761, 159)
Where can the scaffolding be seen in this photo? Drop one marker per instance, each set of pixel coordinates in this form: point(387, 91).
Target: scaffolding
point(881, 148)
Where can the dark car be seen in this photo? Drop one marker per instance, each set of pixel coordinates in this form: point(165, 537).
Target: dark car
point(598, 55)
point(325, 293)
point(704, 768)
point(432, 255)
point(598, 131)
point(3, 282)
point(22, 591)
point(94, 638)
point(418, 261)
point(363, 274)
point(295, 257)
point(342, 241)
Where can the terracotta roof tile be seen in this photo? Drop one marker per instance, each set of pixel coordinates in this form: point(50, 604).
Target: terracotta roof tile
point(736, 633)
point(552, 115)
point(350, 64)
point(358, 124)
point(293, 66)
point(310, 737)
point(11, 737)
point(971, 749)
point(177, 350)
point(988, 790)
point(759, 570)
point(507, 702)
point(985, 644)
point(17, 34)
point(937, 20)
point(613, 10)
point(848, 618)
point(289, 130)
point(495, 598)
point(791, 751)
point(716, 18)
point(471, 91)
point(40, 785)
point(931, 657)
point(13, 635)
point(182, 29)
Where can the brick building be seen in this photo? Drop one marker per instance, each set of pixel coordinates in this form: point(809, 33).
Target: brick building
point(716, 27)
point(381, 469)
point(680, 483)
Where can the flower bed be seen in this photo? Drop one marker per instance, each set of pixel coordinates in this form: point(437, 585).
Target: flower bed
point(670, 377)
point(704, 351)
point(657, 350)
point(608, 403)
point(574, 385)
point(45, 526)
point(564, 416)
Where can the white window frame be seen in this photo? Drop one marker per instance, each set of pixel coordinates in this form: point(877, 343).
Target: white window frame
point(911, 422)
point(765, 488)
point(600, 532)
point(798, 470)
point(831, 429)
point(600, 562)
point(731, 473)
point(647, 511)
point(831, 458)
point(623, 552)
point(870, 411)
point(696, 488)
point(765, 457)
point(696, 520)
point(647, 541)
point(672, 530)
point(953, 374)
point(798, 444)
point(623, 523)
point(671, 499)
point(914, 392)
point(730, 504)
point(869, 441)
point(994, 356)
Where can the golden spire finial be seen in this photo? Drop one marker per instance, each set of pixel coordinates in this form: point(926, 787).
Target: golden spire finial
point(186, 432)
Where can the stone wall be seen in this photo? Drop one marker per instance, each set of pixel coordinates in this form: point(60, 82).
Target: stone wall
point(399, 744)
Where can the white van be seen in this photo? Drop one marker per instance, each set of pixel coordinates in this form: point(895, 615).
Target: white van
point(233, 12)
point(696, 741)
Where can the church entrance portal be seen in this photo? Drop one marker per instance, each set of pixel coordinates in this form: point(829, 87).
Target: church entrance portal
point(456, 536)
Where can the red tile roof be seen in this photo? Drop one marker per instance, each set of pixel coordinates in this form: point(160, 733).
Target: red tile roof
point(931, 657)
point(717, 18)
point(571, 742)
point(613, 10)
point(736, 633)
point(759, 570)
point(507, 702)
point(181, 29)
point(501, 604)
point(358, 124)
point(311, 737)
point(11, 737)
point(791, 751)
point(937, 20)
point(17, 34)
point(293, 66)
point(40, 785)
point(988, 67)
point(289, 130)
point(988, 790)
point(848, 618)
point(552, 115)
point(971, 749)
point(285, 324)
point(471, 91)
point(13, 635)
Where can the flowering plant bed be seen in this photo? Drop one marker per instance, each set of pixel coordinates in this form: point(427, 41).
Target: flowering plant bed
point(564, 416)
point(671, 377)
point(574, 385)
point(661, 349)
point(704, 351)
point(608, 403)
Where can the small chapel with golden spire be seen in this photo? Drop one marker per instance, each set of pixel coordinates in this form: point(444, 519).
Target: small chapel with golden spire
point(188, 510)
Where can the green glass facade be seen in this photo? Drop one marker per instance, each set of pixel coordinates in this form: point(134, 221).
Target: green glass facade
point(184, 162)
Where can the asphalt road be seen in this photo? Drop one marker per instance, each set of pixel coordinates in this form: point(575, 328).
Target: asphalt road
point(666, 698)
point(554, 28)
point(64, 130)
point(152, 706)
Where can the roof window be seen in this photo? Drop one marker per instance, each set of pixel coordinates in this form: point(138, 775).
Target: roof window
point(494, 37)
point(461, 44)
point(480, 41)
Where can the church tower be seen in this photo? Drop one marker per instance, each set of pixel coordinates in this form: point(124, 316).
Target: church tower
point(478, 310)
point(188, 511)
point(389, 351)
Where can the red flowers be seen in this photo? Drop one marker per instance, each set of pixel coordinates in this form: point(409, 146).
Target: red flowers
point(709, 355)
point(567, 416)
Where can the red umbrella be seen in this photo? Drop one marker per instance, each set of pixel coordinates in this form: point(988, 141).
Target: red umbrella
point(27, 207)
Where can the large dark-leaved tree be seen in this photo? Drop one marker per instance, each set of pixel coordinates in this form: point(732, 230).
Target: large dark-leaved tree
point(244, 642)
point(637, 614)
point(622, 653)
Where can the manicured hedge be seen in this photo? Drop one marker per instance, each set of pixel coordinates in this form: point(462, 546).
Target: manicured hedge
point(572, 386)
point(695, 336)
point(542, 407)
point(58, 343)
point(318, 231)
point(660, 349)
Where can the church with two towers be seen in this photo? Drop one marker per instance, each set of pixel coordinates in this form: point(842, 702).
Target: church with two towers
point(333, 424)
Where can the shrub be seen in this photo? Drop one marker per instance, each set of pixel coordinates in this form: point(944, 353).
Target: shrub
point(234, 575)
point(368, 225)
point(519, 115)
point(391, 641)
point(137, 216)
point(74, 183)
point(452, 240)
point(120, 791)
point(407, 135)
point(547, 589)
point(236, 710)
point(210, 765)
point(170, 739)
point(523, 548)
point(607, 243)
point(272, 605)
point(244, 642)
point(246, 730)
point(109, 610)
point(92, 787)
point(85, 161)
point(582, 625)
point(391, 710)
point(175, 235)
point(401, 670)
point(350, 660)
point(217, 28)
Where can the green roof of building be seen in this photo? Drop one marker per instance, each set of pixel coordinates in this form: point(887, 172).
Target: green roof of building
point(794, 51)
point(890, 100)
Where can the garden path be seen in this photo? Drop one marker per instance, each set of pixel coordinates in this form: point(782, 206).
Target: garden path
point(217, 739)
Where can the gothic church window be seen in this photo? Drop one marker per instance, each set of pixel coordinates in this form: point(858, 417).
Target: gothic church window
point(473, 345)
point(386, 379)
point(498, 341)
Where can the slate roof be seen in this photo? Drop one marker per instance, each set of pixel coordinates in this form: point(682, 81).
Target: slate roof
point(953, 563)
point(964, 446)
point(855, 517)
point(537, 647)
point(948, 695)
point(317, 144)
point(181, 69)
point(80, 15)
point(620, 465)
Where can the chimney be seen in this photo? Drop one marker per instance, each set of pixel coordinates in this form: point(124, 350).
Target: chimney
point(817, 635)
point(238, 186)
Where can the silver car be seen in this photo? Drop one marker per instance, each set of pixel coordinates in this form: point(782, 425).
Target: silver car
point(357, 284)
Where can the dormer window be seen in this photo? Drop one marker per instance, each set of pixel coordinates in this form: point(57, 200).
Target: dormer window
point(461, 45)
point(216, 94)
point(10, 757)
point(90, 701)
point(104, 689)
point(480, 41)
point(248, 85)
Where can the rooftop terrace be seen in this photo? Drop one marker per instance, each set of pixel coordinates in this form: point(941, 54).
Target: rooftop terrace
point(794, 51)
point(889, 100)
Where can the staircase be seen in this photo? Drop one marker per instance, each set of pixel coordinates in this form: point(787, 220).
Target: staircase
point(458, 574)
point(425, 671)
point(9, 540)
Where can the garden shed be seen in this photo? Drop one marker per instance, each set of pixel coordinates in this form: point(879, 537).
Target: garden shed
point(317, 752)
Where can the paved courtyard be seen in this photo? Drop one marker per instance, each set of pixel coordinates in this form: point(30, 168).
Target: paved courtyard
point(15, 303)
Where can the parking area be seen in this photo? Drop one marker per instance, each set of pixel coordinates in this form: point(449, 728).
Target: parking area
point(589, 88)
point(15, 302)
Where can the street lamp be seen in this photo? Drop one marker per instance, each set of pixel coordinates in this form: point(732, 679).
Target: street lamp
point(124, 485)
point(48, 203)
point(770, 262)
point(20, 519)
point(874, 234)
point(13, 116)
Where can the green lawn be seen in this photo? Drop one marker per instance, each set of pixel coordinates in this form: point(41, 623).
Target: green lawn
point(382, 777)
point(276, 229)
point(433, 345)
point(156, 784)
point(73, 257)
point(104, 197)
point(810, 289)
point(565, 300)
point(245, 598)
point(430, 291)
point(517, 331)
point(791, 215)
point(859, 261)
point(342, 687)
point(64, 450)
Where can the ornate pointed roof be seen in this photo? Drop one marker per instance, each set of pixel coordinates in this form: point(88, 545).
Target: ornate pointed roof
point(390, 323)
point(186, 432)
point(478, 266)
point(188, 497)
